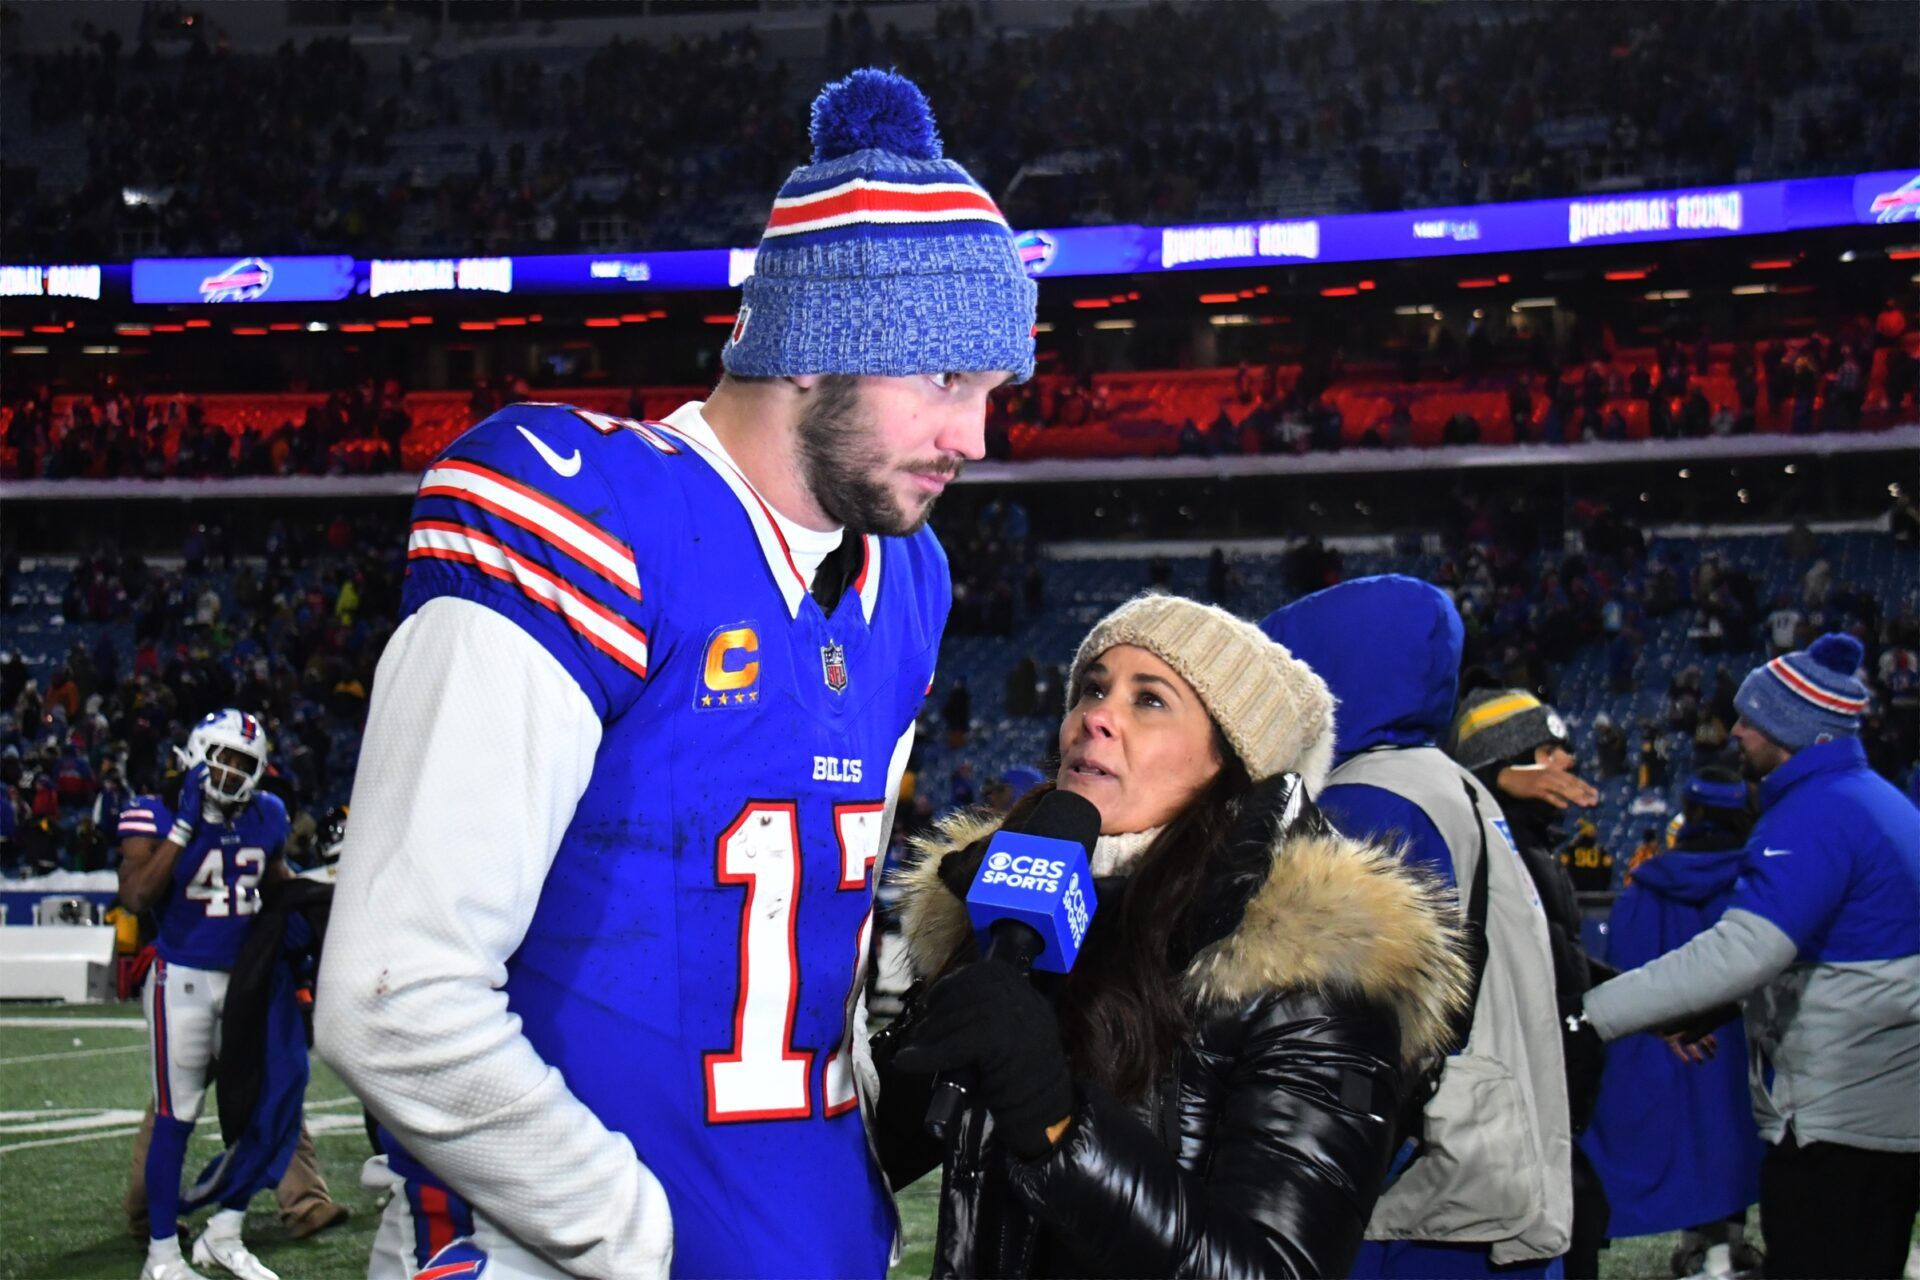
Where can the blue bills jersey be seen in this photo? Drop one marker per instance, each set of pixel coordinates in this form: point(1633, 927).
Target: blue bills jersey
point(699, 942)
point(216, 879)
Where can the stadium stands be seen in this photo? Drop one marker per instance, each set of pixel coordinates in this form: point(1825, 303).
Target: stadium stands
point(1151, 413)
point(1547, 619)
point(441, 144)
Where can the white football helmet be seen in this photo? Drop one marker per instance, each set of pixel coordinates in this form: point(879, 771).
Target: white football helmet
point(233, 745)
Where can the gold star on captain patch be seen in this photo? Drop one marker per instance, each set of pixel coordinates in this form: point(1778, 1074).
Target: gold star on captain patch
point(706, 700)
point(723, 699)
point(753, 695)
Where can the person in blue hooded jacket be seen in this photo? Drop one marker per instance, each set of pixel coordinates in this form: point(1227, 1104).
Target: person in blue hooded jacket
point(1821, 942)
point(1485, 1188)
point(1674, 1141)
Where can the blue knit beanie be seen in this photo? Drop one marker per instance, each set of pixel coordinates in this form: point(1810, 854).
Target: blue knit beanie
point(1802, 698)
point(881, 257)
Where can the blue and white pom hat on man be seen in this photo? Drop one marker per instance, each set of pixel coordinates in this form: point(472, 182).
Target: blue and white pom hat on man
point(1808, 696)
point(882, 257)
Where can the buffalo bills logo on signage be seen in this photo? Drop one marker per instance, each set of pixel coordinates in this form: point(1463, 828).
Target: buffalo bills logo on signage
point(1899, 205)
point(244, 281)
point(1037, 250)
point(833, 665)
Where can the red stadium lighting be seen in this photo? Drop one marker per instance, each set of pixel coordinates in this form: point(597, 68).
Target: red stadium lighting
point(249, 331)
point(482, 326)
point(1212, 299)
point(356, 328)
point(1101, 304)
point(169, 328)
point(1340, 291)
point(392, 324)
point(419, 319)
point(511, 322)
point(13, 333)
point(716, 318)
point(1637, 273)
point(285, 326)
point(1904, 255)
point(1482, 282)
point(1366, 286)
point(49, 328)
point(199, 324)
point(651, 315)
point(1772, 264)
point(133, 330)
point(634, 317)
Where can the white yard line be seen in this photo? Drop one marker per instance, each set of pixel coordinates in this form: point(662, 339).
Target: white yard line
point(68, 1123)
point(135, 1023)
point(71, 1053)
point(61, 1142)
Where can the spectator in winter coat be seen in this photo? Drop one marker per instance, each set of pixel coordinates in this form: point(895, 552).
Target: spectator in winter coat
point(1498, 1199)
point(1822, 943)
point(1674, 1141)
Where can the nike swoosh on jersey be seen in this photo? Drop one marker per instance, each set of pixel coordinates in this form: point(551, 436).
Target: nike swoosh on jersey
point(568, 466)
point(1775, 853)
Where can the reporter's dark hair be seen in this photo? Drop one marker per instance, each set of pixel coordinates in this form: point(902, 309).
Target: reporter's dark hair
point(1121, 1015)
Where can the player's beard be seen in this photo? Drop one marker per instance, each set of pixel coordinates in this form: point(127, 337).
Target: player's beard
point(847, 471)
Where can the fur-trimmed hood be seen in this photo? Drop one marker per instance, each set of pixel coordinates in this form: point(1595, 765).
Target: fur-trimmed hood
point(1330, 913)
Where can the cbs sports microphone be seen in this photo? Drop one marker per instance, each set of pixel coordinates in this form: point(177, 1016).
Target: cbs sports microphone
point(1032, 901)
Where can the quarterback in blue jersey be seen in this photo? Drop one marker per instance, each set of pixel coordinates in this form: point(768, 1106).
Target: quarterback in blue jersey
point(602, 921)
point(198, 866)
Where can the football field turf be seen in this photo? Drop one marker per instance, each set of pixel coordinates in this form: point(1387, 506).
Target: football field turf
point(73, 1082)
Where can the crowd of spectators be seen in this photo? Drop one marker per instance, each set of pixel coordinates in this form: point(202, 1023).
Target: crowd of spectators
point(684, 136)
point(118, 432)
point(1641, 643)
point(292, 629)
point(1681, 390)
point(290, 632)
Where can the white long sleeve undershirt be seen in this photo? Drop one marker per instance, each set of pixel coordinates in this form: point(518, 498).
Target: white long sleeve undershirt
point(477, 749)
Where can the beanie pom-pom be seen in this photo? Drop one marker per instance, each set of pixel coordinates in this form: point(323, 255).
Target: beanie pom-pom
point(873, 110)
point(1838, 652)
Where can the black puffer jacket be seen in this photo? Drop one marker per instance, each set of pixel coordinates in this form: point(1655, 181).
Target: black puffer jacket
point(1262, 1148)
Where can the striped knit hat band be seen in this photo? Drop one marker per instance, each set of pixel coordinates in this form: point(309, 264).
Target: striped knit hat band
point(1499, 725)
point(1809, 696)
point(882, 257)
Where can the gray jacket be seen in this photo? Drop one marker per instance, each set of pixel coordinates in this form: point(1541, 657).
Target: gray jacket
point(1821, 943)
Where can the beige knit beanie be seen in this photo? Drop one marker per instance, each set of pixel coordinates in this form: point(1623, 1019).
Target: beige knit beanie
point(1272, 707)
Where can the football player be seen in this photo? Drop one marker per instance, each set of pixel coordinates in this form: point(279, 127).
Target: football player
point(198, 865)
point(631, 755)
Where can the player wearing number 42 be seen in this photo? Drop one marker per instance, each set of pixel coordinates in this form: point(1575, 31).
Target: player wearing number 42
point(198, 865)
point(602, 917)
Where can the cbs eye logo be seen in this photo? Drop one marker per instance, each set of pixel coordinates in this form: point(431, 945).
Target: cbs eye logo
point(1000, 861)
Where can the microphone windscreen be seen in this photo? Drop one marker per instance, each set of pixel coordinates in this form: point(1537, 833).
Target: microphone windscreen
point(1063, 815)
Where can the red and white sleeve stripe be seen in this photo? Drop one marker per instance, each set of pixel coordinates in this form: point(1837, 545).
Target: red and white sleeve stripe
point(527, 508)
point(593, 622)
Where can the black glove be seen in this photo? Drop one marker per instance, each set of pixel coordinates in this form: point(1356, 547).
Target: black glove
point(958, 868)
point(986, 1019)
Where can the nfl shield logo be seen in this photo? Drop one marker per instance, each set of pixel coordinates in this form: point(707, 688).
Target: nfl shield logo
point(833, 664)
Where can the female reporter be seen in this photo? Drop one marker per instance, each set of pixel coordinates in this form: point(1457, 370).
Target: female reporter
point(1211, 1090)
